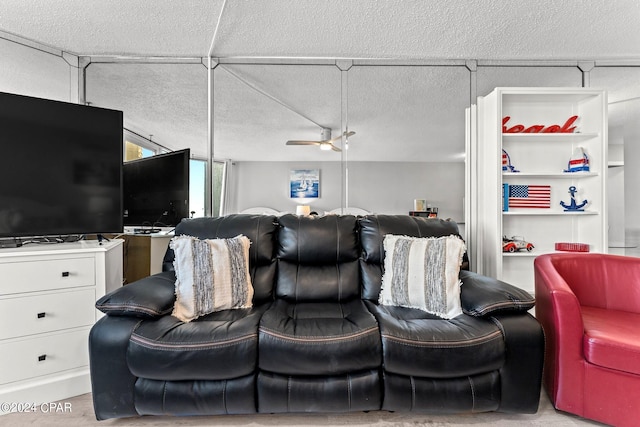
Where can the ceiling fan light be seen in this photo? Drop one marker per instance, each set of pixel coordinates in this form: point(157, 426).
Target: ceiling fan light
point(325, 147)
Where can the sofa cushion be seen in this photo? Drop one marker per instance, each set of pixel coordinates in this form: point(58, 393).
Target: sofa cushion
point(318, 338)
point(612, 339)
point(422, 273)
point(318, 258)
point(211, 275)
point(308, 240)
point(197, 397)
point(373, 228)
point(355, 391)
point(452, 348)
point(218, 346)
point(261, 231)
point(469, 394)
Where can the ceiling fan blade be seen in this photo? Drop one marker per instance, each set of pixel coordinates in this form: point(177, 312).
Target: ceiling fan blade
point(294, 142)
point(324, 144)
point(346, 134)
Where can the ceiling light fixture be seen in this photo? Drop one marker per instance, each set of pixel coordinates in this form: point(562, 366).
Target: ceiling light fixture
point(326, 142)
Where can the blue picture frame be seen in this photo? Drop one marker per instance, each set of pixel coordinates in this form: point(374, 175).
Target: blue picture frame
point(304, 184)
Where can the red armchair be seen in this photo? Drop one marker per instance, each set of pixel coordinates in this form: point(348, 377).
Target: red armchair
point(589, 307)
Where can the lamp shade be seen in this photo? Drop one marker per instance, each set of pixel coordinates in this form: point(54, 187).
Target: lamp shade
point(303, 210)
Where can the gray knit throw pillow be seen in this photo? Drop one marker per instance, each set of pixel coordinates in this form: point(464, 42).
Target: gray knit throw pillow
point(423, 273)
point(211, 275)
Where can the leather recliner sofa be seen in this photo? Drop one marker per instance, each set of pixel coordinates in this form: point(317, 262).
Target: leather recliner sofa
point(316, 339)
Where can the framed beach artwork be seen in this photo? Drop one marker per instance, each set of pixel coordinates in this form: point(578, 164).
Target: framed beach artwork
point(304, 184)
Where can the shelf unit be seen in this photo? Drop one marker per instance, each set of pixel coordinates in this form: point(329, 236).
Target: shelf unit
point(540, 159)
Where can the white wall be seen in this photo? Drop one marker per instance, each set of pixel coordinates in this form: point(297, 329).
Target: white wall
point(391, 187)
point(623, 90)
point(379, 187)
point(632, 172)
point(266, 184)
point(26, 70)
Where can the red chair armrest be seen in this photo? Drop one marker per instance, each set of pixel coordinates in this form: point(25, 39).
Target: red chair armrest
point(558, 310)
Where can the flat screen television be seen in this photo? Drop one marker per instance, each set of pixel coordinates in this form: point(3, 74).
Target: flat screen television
point(60, 168)
point(156, 190)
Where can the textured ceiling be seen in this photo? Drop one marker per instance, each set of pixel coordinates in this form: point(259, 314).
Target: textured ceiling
point(398, 113)
point(115, 27)
point(482, 29)
point(476, 29)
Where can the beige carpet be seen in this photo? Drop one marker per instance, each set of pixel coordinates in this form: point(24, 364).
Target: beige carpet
point(79, 412)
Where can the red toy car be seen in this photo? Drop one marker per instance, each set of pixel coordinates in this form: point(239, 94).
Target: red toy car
point(515, 243)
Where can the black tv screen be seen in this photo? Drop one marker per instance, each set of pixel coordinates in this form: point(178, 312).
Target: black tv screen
point(156, 189)
point(60, 169)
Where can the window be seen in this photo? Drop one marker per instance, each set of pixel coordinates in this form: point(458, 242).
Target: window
point(133, 151)
point(219, 183)
point(197, 177)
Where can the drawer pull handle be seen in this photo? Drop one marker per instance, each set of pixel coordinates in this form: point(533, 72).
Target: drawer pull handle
point(42, 358)
point(65, 274)
point(41, 315)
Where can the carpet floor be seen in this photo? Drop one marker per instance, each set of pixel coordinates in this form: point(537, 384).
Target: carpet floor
point(78, 411)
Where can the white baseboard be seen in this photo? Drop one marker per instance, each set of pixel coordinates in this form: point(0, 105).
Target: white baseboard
point(45, 390)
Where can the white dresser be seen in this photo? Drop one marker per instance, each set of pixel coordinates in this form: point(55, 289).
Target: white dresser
point(47, 297)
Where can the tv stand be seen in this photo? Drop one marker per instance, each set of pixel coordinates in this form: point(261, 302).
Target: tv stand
point(101, 237)
point(146, 230)
point(47, 296)
point(143, 252)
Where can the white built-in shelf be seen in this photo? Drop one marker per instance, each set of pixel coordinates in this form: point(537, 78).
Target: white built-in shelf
point(534, 253)
point(542, 212)
point(541, 158)
point(565, 175)
point(545, 96)
point(524, 254)
point(533, 137)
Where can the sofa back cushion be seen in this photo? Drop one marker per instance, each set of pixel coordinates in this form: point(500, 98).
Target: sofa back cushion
point(317, 258)
point(373, 228)
point(261, 231)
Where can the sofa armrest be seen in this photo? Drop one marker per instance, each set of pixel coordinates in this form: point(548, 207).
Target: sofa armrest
point(147, 298)
point(112, 383)
point(521, 375)
point(482, 295)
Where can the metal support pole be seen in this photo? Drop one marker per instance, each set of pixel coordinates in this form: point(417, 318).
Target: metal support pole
point(208, 185)
point(344, 66)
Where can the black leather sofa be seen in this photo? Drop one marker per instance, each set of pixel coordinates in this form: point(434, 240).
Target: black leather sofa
point(316, 339)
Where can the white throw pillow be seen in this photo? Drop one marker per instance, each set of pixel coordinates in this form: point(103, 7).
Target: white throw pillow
point(211, 275)
point(423, 273)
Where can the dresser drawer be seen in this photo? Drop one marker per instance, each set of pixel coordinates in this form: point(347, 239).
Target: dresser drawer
point(28, 315)
point(39, 275)
point(43, 355)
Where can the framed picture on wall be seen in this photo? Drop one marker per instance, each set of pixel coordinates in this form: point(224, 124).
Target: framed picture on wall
point(304, 184)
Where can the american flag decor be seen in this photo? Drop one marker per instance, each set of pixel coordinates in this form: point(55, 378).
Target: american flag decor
point(529, 196)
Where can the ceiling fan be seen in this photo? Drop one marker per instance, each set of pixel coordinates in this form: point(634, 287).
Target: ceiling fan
point(326, 142)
